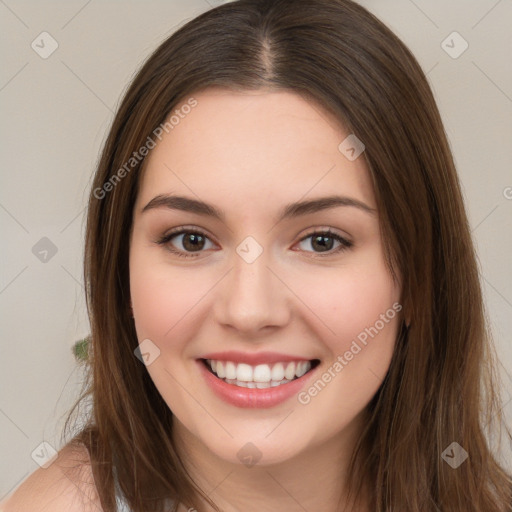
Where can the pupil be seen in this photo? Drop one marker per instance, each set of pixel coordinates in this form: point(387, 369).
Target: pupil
point(194, 238)
point(320, 239)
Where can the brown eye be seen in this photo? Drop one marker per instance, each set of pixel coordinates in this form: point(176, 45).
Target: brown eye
point(192, 241)
point(323, 242)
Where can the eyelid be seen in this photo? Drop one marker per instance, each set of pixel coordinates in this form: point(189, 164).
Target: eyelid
point(189, 229)
point(327, 230)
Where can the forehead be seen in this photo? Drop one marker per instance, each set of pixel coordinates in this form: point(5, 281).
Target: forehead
point(251, 150)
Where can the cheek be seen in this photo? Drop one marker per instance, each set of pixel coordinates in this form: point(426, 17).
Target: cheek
point(162, 298)
point(351, 301)
point(169, 302)
point(362, 308)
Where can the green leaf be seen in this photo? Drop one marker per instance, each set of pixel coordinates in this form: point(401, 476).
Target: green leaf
point(80, 349)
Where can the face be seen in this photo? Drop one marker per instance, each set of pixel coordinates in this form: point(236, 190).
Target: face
point(269, 327)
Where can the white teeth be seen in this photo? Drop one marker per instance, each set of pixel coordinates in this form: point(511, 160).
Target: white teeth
point(221, 372)
point(260, 376)
point(289, 372)
point(243, 372)
point(230, 370)
point(278, 372)
point(262, 373)
point(302, 368)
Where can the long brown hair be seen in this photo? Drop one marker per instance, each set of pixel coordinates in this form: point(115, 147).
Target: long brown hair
point(441, 386)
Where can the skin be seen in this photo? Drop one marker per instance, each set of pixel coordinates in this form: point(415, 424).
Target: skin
point(249, 154)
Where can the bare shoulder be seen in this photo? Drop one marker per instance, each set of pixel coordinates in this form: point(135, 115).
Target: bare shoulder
point(67, 485)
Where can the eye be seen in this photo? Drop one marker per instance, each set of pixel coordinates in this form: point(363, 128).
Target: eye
point(324, 241)
point(192, 240)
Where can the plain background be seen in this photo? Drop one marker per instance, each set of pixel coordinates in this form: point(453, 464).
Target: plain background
point(56, 113)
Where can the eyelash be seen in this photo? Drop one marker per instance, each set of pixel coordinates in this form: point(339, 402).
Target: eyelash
point(345, 244)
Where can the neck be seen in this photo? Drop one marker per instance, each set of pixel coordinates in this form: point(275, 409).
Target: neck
point(314, 479)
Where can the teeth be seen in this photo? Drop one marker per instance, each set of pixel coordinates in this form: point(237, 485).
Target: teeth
point(262, 373)
point(289, 372)
point(221, 372)
point(278, 372)
point(260, 376)
point(230, 370)
point(257, 385)
point(302, 368)
point(244, 372)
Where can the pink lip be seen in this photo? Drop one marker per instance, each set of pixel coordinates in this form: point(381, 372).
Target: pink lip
point(252, 397)
point(253, 359)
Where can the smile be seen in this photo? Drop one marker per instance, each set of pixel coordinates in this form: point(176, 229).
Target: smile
point(259, 376)
point(254, 383)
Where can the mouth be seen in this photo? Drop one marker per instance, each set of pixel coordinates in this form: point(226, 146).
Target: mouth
point(260, 376)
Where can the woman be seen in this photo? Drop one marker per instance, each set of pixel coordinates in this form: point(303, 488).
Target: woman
point(283, 292)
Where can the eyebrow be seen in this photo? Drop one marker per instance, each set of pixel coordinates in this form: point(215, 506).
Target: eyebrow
point(186, 204)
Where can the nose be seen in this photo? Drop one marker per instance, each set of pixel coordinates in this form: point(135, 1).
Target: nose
point(252, 297)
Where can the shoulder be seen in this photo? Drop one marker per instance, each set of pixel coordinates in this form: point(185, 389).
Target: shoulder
point(67, 485)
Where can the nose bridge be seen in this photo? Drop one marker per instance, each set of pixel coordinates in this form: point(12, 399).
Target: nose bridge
point(252, 297)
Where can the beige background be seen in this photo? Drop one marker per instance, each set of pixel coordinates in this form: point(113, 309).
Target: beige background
point(56, 112)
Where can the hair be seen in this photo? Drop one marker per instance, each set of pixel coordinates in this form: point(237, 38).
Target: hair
point(442, 383)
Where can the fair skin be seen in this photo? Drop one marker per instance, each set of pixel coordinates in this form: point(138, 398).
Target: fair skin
point(249, 154)
point(66, 485)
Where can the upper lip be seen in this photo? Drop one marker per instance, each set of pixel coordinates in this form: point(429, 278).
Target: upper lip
point(254, 358)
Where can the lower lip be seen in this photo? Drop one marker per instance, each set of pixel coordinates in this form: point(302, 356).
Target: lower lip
point(252, 397)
